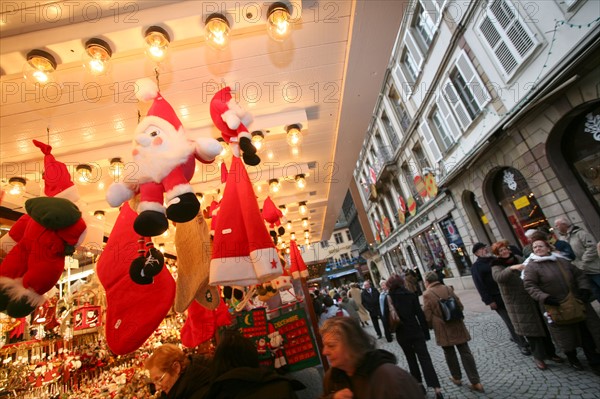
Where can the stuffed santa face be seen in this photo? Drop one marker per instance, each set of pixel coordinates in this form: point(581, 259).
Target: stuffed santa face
point(165, 158)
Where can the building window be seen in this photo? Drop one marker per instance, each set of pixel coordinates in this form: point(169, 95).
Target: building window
point(420, 157)
point(345, 258)
point(325, 244)
point(348, 235)
point(410, 66)
point(338, 238)
point(508, 37)
point(401, 113)
point(443, 138)
point(424, 24)
point(390, 131)
point(465, 92)
point(409, 177)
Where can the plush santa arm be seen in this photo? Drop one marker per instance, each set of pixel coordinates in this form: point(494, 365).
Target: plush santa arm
point(118, 193)
point(206, 149)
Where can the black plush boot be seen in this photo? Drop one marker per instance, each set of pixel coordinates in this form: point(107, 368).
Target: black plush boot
point(4, 299)
point(249, 152)
point(153, 262)
point(183, 208)
point(19, 308)
point(150, 224)
point(136, 271)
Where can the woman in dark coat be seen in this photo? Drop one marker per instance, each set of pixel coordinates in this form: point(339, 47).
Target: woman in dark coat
point(236, 373)
point(450, 335)
point(523, 311)
point(548, 279)
point(412, 333)
point(178, 376)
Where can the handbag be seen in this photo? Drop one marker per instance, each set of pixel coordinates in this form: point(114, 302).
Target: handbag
point(570, 311)
point(449, 308)
point(394, 320)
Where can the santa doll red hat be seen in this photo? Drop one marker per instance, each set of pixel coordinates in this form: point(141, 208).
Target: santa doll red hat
point(298, 267)
point(165, 158)
point(243, 252)
point(51, 229)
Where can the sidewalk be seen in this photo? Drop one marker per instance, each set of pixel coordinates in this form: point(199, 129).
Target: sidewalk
point(504, 371)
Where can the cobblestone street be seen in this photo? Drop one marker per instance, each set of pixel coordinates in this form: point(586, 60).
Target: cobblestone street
point(504, 371)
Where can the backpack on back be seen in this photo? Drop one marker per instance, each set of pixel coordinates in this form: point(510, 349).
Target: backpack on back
point(449, 308)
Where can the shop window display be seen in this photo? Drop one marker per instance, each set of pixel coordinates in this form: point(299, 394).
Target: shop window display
point(429, 248)
point(456, 245)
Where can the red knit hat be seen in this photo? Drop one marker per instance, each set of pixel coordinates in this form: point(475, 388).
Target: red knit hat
point(243, 252)
point(271, 213)
point(160, 112)
point(57, 179)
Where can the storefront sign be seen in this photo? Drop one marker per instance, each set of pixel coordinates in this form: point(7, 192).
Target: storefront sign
point(420, 186)
point(412, 206)
point(521, 202)
point(386, 227)
point(401, 216)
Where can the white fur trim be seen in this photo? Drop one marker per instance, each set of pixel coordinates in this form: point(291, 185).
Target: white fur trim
point(147, 89)
point(15, 290)
point(207, 148)
point(266, 264)
point(231, 119)
point(151, 206)
point(118, 193)
point(232, 271)
point(70, 193)
point(178, 190)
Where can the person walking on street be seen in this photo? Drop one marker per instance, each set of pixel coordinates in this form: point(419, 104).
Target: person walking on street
point(488, 289)
point(412, 333)
point(450, 334)
point(349, 306)
point(382, 298)
point(355, 293)
point(370, 300)
point(584, 247)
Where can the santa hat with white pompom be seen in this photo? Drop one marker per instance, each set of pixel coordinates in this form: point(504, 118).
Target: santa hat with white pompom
point(160, 114)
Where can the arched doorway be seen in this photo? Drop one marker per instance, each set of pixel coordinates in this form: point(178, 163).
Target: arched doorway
point(477, 217)
point(573, 149)
point(518, 204)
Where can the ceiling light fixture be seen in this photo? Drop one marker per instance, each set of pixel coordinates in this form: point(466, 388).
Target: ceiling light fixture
point(39, 67)
point(294, 135)
point(300, 181)
point(217, 31)
point(17, 185)
point(279, 26)
point(157, 43)
point(200, 197)
point(84, 173)
point(305, 222)
point(99, 215)
point(306, 234)
point(225, 151)
point(257, 139)
point(293, 235)
point(161, 248)
point(274, 186)
point(302, 208)
point(115, 170)
point(283, 209)
point(96, 57)
point(288, 226)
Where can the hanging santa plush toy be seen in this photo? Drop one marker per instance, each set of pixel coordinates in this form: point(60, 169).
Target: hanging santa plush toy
point(50, 230)
point(273, 215)
point(232, 121)
point(165, 158)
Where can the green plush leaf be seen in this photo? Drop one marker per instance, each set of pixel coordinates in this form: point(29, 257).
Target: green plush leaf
point(53, 213)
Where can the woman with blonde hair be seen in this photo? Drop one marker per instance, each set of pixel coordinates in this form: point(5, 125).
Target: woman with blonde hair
point(177, 375)
point(357, 369)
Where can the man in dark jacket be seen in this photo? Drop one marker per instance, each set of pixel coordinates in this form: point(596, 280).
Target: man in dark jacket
point(481, 271)
point(370, 300)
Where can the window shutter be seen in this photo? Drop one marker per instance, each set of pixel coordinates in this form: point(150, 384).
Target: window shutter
point(474, 82)
point(415, 52)
point(405, 85)
point(431, 144)
point(449, 118)
point(457, 105)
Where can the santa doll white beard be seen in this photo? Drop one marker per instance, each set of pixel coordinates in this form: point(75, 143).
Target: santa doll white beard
point(156, 162)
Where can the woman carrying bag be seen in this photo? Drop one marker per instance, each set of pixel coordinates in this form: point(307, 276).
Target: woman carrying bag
point(557, 285)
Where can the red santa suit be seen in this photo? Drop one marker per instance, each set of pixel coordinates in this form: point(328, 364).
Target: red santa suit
point(36, 262)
